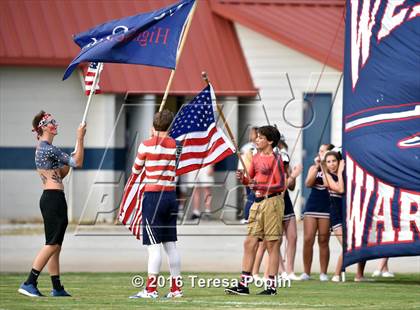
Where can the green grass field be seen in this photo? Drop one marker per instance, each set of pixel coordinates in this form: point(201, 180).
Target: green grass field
point(111, 291)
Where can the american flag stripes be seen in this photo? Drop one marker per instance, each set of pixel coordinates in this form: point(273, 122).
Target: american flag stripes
point(194, 128)
point(89, 77)
point(130, 208)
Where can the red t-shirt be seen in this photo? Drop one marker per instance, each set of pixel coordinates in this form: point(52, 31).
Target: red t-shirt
point(268, 173)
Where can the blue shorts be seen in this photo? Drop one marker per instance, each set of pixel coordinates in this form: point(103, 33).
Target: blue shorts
point(318, 204)
point(336, 214)
point(159, 216)
point(289, 213)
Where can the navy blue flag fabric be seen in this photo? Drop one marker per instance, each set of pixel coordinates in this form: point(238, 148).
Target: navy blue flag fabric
point(148, 39)
point(381, 129)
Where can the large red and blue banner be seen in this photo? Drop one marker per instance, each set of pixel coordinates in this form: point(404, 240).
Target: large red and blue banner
point(149, 39)
point(381, 129)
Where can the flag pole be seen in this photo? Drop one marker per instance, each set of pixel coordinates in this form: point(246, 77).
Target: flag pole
point(225, 123)
point(92, 92)
point(181, 47)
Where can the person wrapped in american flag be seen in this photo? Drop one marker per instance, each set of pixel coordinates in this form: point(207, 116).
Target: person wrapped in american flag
point(156, 161)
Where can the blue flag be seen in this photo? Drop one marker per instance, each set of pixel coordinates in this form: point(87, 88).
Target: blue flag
point(381, 123)
point(148, 39)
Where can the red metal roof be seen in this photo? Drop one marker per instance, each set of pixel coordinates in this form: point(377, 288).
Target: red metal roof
point(39, 33)
point(313, 27)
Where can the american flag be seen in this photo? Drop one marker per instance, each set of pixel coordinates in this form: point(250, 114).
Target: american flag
point(130, 208)
point(201, 144)
point(90, 75)
point(194, 128)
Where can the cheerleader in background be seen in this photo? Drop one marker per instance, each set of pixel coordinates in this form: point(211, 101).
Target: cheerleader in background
point(316, 218)
point(333, 168)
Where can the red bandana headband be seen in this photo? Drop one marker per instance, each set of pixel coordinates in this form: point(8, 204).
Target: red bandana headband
point(45, 120)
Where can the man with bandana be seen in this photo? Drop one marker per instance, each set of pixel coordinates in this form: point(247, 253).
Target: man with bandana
point(52, 165)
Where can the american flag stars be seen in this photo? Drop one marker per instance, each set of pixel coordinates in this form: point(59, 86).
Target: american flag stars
point(197, 115)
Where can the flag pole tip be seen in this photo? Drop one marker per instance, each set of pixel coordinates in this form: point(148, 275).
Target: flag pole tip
point(205, 77)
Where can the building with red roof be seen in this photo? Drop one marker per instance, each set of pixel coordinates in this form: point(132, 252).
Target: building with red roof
point(263, 57)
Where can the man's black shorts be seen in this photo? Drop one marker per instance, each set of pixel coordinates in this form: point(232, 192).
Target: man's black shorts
point(54, 212)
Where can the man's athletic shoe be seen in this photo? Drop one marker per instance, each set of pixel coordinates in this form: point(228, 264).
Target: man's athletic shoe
point(29, 290)
point(269, 291)
point(323, 277)
point(59, 293)
point(145, 294)
point(175, 294)
point(305, 277)
point(237, 290)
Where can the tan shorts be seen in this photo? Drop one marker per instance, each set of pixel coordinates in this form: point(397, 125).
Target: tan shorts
point(266, 219)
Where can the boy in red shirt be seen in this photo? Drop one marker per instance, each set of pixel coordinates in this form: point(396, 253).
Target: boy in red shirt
point(267, 180)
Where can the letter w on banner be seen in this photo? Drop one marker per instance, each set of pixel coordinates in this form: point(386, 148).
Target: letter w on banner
point(147, 39)
point(381, 117)
point(200, 143)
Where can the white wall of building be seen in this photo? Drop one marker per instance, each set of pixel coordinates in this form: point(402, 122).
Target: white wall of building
point(269, 62)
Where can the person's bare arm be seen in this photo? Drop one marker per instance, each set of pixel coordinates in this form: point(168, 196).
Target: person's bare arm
point(313, 171)
point(291, 180)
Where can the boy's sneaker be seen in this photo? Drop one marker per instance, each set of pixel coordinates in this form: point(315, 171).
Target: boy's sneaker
point(305, 277)
point(335, 278)
point(145, 294)
point(237, 290)
point(323, 277)
point(59, 293)
point(175, 294)
point(29, 290)
point(376, 273)
point(269, 291)
point(388, 274)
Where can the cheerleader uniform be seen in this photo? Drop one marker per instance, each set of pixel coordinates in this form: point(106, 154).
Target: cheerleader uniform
point(336, 210)
point(289, 212)
point(318, 204)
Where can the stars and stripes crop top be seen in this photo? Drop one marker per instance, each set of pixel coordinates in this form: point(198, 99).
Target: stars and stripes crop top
point(48, 156)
